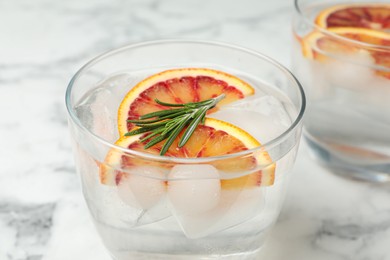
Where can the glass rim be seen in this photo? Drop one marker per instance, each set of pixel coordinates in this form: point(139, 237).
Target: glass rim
point(270, 144)
point(310, 22)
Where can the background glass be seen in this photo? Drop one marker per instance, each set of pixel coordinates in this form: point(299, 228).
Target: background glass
point(347, 124)
point(239, 229)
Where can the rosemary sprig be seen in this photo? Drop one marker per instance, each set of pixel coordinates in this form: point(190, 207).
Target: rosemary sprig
point(167, 124)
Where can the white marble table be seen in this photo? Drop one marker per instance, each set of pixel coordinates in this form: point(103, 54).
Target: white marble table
point(44, 42)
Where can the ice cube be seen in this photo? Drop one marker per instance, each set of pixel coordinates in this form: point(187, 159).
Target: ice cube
point(268, 105)
point(202, 208)
point(234, 207)
point(262, 127)
point(194, 189)
point(263, 116)
point(98, 111)
point(350, 71)
point(143, 186)
point(138, 199)
point(104, 117)
point(110, 209)
point(353, 80)
point(97, 116)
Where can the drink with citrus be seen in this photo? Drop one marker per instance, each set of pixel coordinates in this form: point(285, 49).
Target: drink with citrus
point(341, 54)
point(189, 159)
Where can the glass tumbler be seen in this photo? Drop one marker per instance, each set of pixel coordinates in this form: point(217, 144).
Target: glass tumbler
point(345, 72)
point(178, 208)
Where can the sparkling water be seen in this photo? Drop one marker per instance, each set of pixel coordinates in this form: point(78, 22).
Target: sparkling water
point(195, 217)
point(348, 117)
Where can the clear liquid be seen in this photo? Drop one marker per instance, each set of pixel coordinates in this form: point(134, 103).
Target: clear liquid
point(235, 227)
point(347, 121)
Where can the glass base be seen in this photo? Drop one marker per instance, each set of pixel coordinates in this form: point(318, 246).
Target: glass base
point(141, 256)
point(347, 166)
point(155, 243)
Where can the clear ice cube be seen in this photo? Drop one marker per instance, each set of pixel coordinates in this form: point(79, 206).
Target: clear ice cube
point(97, 115)
point(215, 209)
point(112, 210)
point(234, 207)
point(98, 111)
point(143, 186)
point(264, 117)
point(194, 189)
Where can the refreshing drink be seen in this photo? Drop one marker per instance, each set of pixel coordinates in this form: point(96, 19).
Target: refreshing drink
point(341, 54)
point(219, 193)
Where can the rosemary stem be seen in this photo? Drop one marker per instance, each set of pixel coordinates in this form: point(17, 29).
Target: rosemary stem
point(168, 124)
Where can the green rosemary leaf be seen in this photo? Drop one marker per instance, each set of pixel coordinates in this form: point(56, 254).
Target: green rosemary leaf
point(192, 126)
point(139, 131)
point(155, 141)
point(169, 116)
point(200, 103)
point(203, 119)
point(167, 124)
point(160, 113)
point(173, 136)
point(168, 104)
point(171, 125)
point(152, 134)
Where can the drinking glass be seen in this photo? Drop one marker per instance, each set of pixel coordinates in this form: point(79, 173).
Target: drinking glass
point(347, 83)
point(177, 225)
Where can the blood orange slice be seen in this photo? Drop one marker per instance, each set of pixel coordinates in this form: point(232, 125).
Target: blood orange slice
point(318, 45)
point(328, 43)
point(179, 86)
point(214, 138)
point(371, 16)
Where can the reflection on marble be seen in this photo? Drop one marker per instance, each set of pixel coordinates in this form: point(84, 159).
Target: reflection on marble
point(44, 42)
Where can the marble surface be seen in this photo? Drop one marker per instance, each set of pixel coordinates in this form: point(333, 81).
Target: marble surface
point(44, 42)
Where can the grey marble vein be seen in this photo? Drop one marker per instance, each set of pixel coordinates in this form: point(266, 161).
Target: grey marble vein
point(31, 228)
